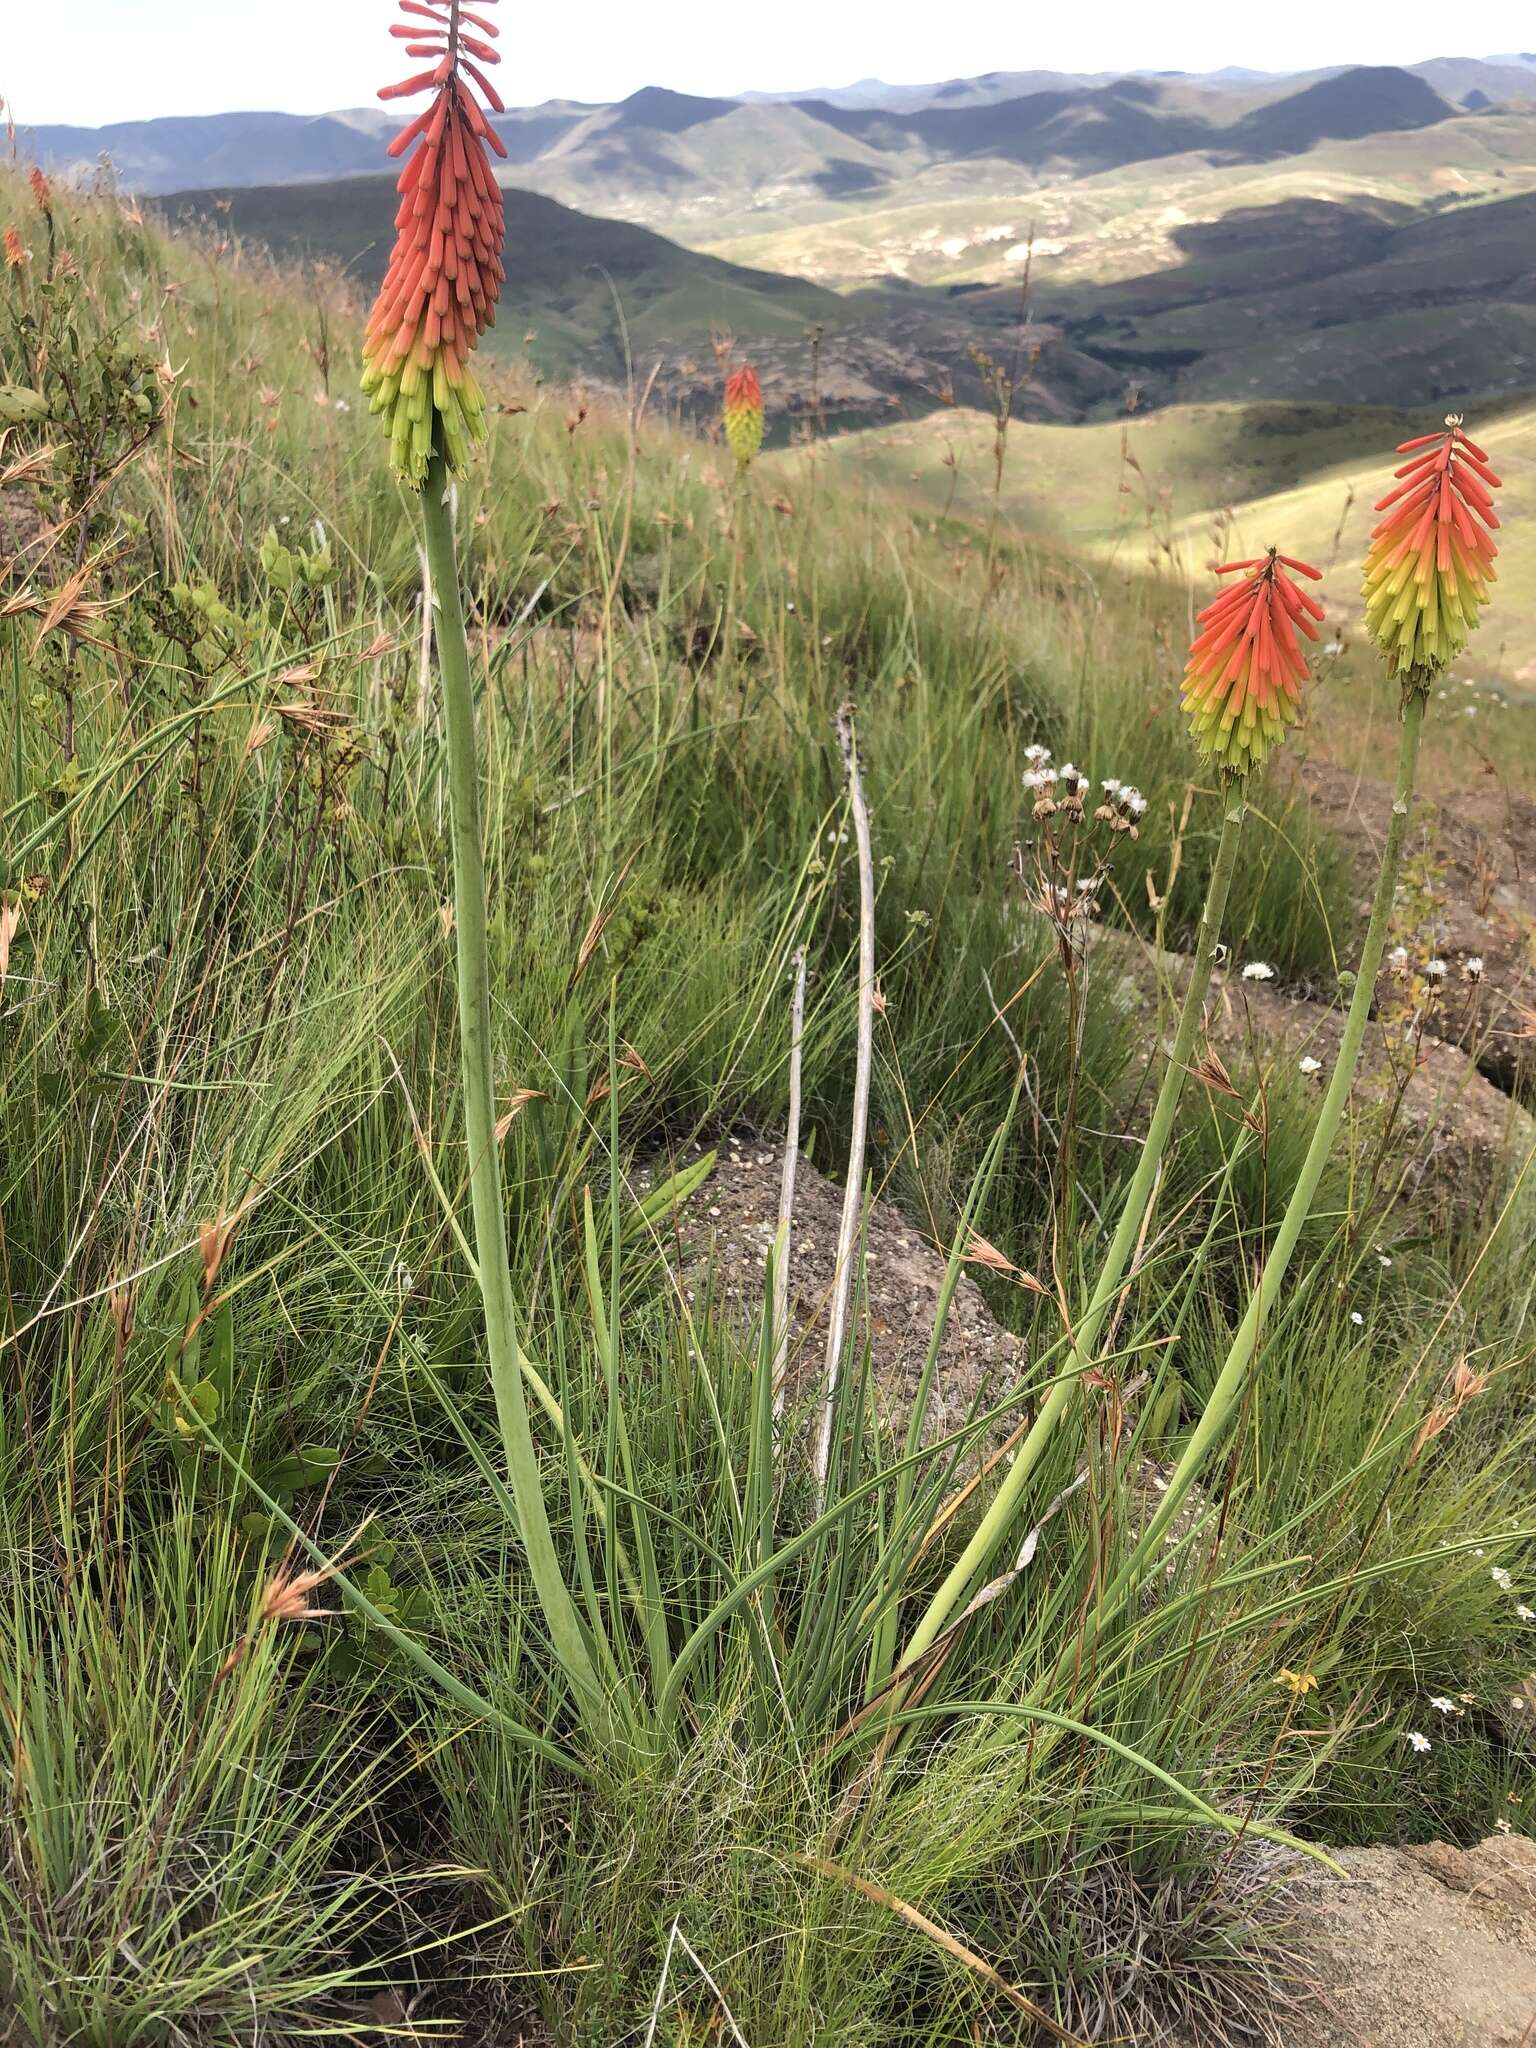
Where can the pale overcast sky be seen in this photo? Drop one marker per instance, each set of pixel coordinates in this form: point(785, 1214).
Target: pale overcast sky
point(97, 61)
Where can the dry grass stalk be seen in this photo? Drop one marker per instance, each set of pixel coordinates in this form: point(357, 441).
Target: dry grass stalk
point(853, 1190)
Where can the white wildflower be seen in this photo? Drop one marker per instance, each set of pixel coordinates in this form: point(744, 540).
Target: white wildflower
point(1307, 1065)
point(1500, 1578)
point(1472, 969)
point(1035, 756)
point(1419, 1742)
point(1357, 1319)
point(1437, 970)
point(1258, 970)
point(1526, 1613)
point(1442, 1705)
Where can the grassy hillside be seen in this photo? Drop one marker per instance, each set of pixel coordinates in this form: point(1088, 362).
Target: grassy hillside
point(1169, 484)
point(576, 280)
point(608, 300)
point(295, 1746)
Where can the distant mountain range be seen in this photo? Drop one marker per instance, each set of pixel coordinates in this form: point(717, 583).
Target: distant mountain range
point(1363, 234)
point(672, 158)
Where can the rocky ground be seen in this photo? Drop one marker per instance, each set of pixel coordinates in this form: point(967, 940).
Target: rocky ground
point(1474, 850)
point(1429, 1947)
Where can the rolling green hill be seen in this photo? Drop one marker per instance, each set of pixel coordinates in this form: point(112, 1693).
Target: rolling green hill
point(1175, 486)
point(571, 274)
point(589, 297)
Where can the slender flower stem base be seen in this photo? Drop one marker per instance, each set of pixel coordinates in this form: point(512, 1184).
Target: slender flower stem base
point(1245, 1345)
point(474, 987)
point(994, 1525)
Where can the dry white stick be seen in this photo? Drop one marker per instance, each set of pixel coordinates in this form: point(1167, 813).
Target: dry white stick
point(853, 1191)
point(787, 1192)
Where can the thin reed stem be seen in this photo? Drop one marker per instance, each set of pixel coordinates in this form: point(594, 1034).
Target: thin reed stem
point(787, 1191)
point(994, 1525)
point(474, 989)
point(853, 1187)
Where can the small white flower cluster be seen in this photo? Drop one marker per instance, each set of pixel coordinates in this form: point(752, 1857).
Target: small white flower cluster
point(1123, 805)
point(1472, 967)
point(1258, 970)
point(1436, 970)
point(1308, 1066)
point(1056, 788)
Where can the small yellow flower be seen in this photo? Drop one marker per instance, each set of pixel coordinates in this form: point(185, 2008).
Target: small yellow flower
point(1297, 1683)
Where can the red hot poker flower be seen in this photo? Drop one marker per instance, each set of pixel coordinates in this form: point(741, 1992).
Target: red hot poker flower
point(40, 188)
point(439, 293)
point(15, 249)
point(743, 414)
point(1243, 680)
point(1430, 561)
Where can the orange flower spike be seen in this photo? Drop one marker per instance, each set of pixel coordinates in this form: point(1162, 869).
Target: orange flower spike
point(743, 415)
point(41, 191)
point(445, 273)
point(1242, 683)
point(1430, 560)
point(15, 249)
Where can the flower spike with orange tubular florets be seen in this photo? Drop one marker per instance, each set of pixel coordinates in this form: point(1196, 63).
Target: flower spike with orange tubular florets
point(1430, 560)
point(1243, 680)
point(743, 415)
point(439, 293)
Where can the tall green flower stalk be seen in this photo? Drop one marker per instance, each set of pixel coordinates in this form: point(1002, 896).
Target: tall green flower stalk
point(1426, 575)
point(475, 1053)
point(438, 296)
point(1241, 687)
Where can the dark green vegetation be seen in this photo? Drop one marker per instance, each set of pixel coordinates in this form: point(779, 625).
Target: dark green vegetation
point(235, 1291)
point(589, 289)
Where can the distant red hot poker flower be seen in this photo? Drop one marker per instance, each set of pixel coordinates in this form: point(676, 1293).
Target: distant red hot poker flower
point(743, 414)
point(40, 188)
point(439, 294)
point(1430, 561)
point(15, 249)
point(1243, 680)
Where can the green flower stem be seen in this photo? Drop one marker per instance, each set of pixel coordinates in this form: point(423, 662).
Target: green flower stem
point(994, 1525)
point(474, 983)
point(1245, 1345)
